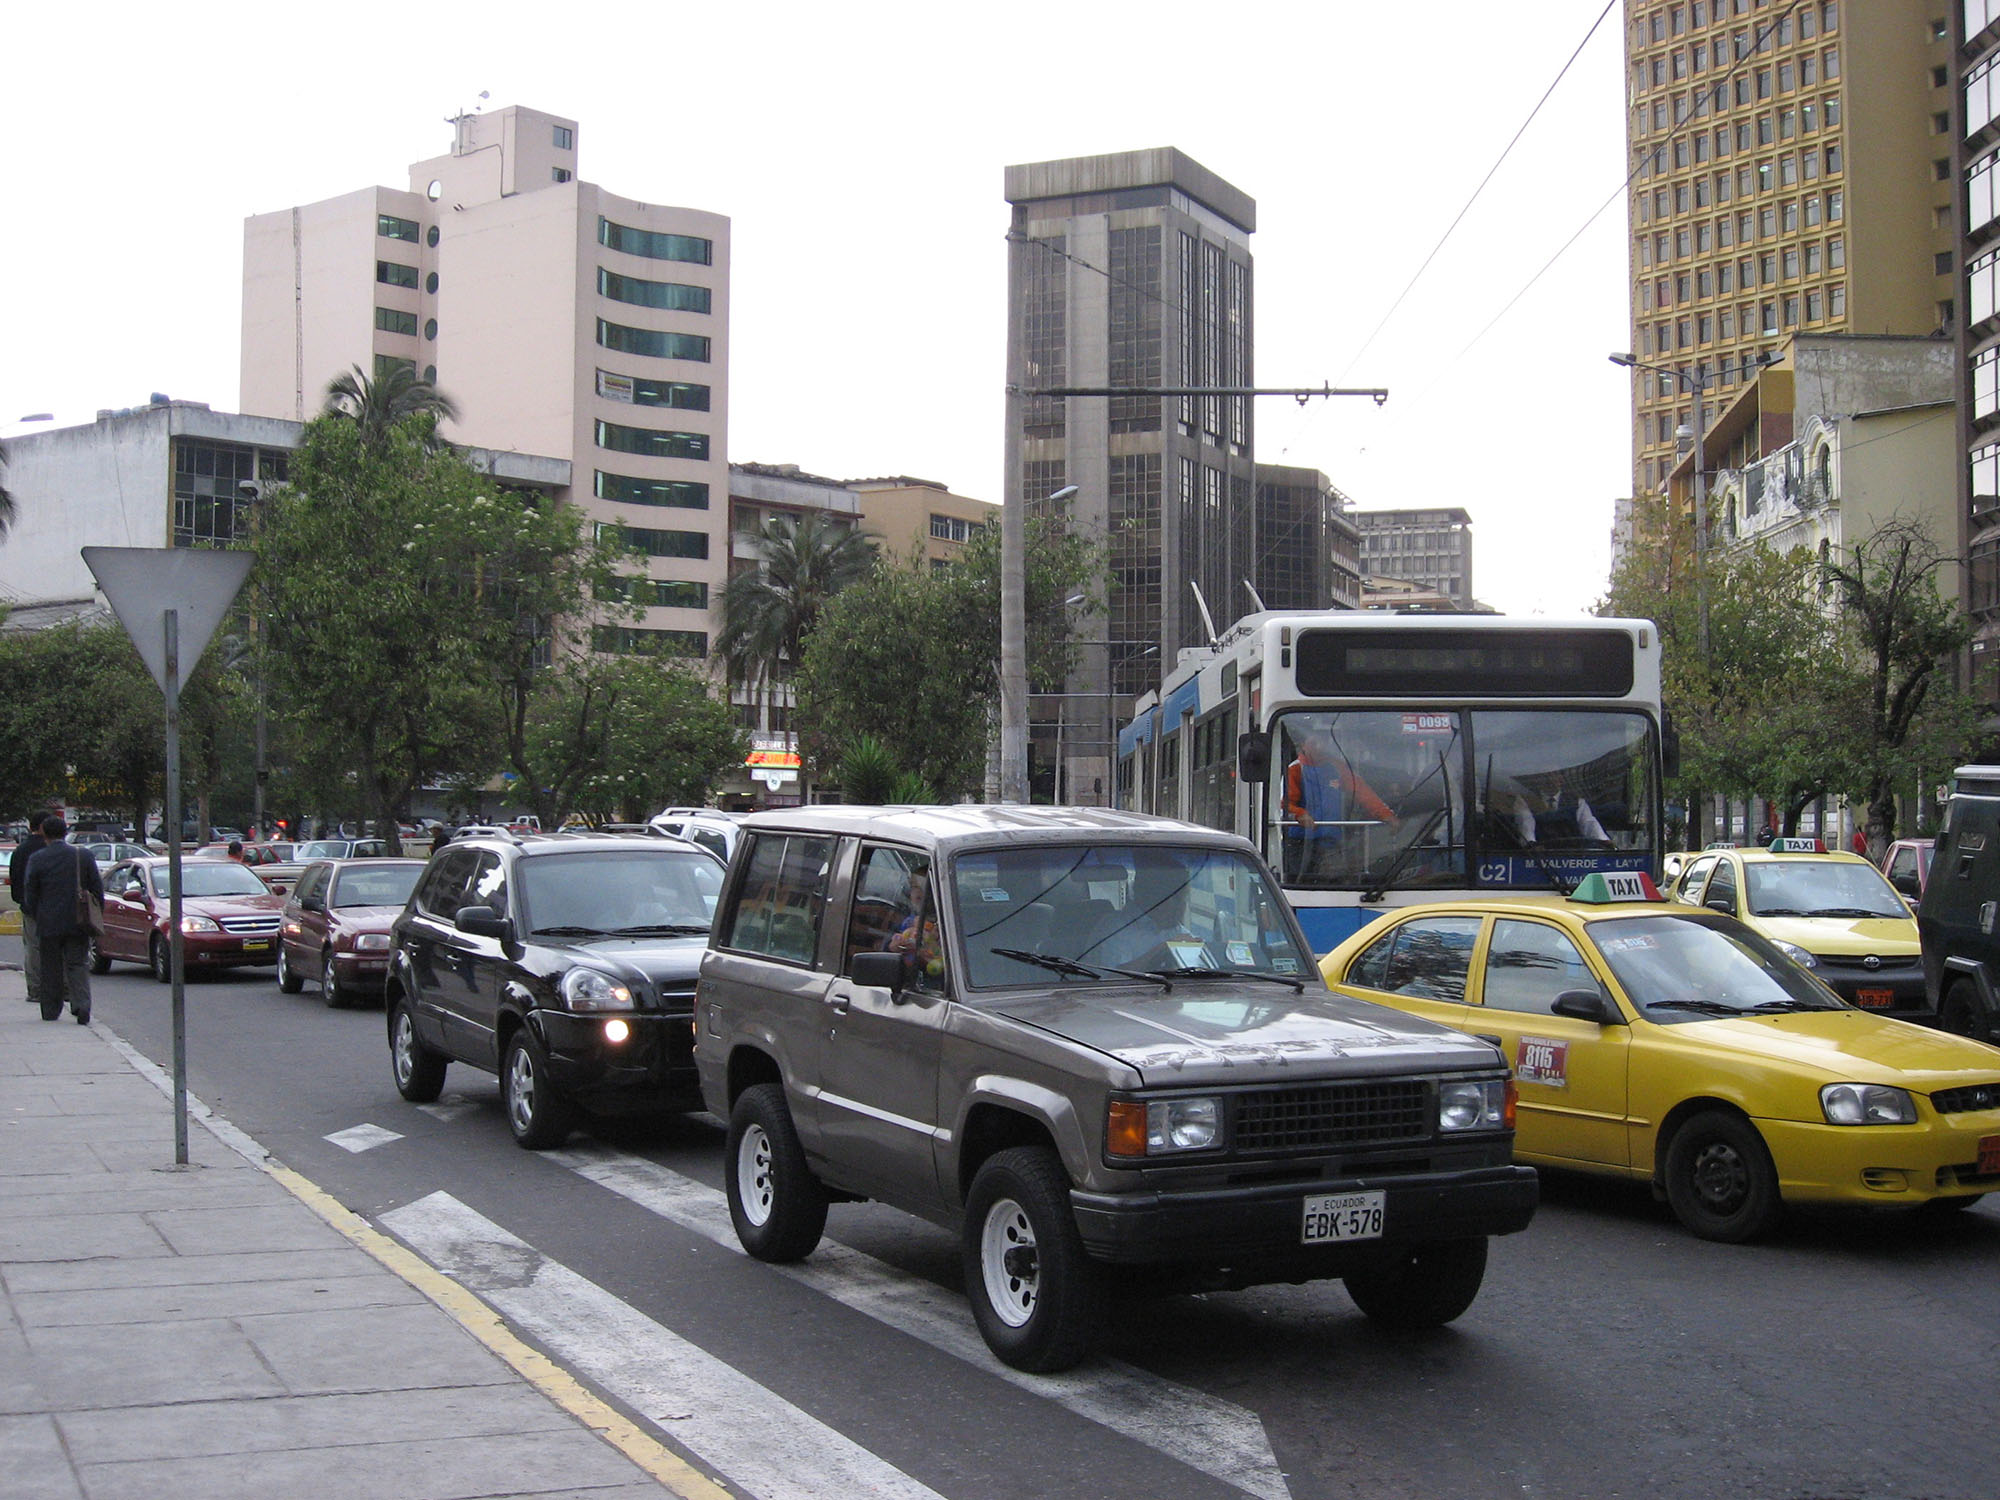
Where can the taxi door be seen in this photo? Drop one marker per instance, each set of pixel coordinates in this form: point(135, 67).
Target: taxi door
point(1571, 1076)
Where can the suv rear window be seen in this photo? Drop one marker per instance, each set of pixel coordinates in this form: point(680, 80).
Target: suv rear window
point(782, 897)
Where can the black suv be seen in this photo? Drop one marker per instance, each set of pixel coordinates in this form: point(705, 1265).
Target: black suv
point(565, 963)
point(1957, 917)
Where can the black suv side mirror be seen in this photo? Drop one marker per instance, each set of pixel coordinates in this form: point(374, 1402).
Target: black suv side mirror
point(484, 921)
point(1586, 1005)
point(879, 971)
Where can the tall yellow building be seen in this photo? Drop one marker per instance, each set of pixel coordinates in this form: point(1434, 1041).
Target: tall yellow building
point(1791, 172)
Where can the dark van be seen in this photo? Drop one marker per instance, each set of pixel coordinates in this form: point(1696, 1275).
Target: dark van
point(1956, 917)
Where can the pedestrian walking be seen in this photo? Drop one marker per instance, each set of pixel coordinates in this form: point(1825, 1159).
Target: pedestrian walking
point(17, 871)
point(58, 877)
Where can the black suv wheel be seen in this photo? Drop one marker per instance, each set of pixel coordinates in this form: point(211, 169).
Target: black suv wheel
point(537, 1112)
point(419, 1071)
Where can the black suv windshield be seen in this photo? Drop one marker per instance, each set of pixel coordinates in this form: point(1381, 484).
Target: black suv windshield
point(633, 892)
point(1084, 913)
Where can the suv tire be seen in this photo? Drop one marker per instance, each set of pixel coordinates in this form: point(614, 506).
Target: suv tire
point(1425, 1286)
point(419, 1071)
point(776, 1204)
point(538, 1113)
point(1720, 1181)
point(1960, 1013)
point(1036, 1294)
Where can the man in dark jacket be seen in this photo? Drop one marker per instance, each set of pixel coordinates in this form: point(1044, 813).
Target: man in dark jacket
point(56, 873)
point(17, 870)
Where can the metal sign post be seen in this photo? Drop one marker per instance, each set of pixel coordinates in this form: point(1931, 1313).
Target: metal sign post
point(170, 600)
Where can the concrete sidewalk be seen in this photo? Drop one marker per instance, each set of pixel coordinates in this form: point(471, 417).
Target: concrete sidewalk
point(226, 1330)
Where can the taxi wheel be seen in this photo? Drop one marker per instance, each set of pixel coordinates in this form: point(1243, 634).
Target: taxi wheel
point(776, 1204)
point(419, 1071)
point(1036, 1295)
point(537, 1112)
point(1720, 1181)
point(1425, 1286)
point(289, 979)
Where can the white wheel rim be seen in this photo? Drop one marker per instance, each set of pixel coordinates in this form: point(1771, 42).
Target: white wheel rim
point(405, 1047)
point(756, 1189)
point(1012, 1296)
point(521, 1089)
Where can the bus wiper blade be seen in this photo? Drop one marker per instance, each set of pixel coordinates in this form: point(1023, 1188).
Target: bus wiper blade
point(1297, 986)
point(1705, 1007)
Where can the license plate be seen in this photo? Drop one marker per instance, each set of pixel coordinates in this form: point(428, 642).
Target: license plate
point(1340, 1217)
point(1874, 999)
point(1989, 1155)
point(255, 945)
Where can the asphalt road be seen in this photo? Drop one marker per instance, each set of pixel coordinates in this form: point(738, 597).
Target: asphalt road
point(1610, 1354)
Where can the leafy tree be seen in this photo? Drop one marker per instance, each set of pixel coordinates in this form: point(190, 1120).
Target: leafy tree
point(868, 770)
point(380, 406)
point(7, 507)
point(769, 612)
point(910, 655)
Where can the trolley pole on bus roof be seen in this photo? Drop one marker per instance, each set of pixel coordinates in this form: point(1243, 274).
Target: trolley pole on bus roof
point(1013, 542)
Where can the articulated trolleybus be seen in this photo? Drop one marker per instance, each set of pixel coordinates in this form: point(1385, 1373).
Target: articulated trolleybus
point(1380, 760)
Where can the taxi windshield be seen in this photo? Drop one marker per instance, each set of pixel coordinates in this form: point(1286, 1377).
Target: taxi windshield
point(1691, 966)
point(1820, 888)
point(1054, 914)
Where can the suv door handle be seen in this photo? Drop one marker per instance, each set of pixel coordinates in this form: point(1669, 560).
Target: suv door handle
point(839, 998)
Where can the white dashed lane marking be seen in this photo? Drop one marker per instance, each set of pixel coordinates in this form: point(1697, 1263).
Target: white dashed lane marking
point(359, 1138)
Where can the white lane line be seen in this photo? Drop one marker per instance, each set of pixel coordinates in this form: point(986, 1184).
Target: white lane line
point(1190, 1426)
point(763, 1444)
point(359, 1138)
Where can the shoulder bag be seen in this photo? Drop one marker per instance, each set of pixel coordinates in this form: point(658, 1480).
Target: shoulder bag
point(89, 915)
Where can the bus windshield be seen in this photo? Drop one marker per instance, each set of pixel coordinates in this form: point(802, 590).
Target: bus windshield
point(1381, 799)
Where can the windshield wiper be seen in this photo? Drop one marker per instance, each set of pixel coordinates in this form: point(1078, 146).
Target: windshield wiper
point(570, 932)
point(1071, 968)
point(1780, 911)
point(1849, 911)
point(1298, 986)
point(1705, 1007)
point(673, 929)
point(1777, 1007)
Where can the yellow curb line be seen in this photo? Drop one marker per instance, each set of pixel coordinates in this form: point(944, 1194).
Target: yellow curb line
point(668, 1467)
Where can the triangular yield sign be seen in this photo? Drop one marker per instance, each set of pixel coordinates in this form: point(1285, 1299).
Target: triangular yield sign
point(143, 583)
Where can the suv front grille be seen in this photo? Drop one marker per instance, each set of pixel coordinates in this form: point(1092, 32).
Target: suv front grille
point(1333, 1115)
point(1966, 1100)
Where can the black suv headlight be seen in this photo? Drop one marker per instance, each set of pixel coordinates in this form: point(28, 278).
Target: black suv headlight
point(593, 990)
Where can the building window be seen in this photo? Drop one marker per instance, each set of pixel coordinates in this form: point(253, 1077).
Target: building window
point(654, 245)
point(631, 640)
point(658, 593)
point(636, 391)
point(1941, 263)
point(655, 543)
point(652, 342)
point(952, 528)
point(430, 330)
point(559, 174)
point(625, 489)
point(390, 273)
point(1815, 306)
point(392, 228)
point(386, 364)
point(668, 296)
point(1836, 253)
point(394, 320)
point(649, 443)
point(1836, 299)
point(210, 509)
point(564, 137)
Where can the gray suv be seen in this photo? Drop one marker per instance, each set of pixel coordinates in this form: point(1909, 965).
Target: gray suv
point(1096, 1047)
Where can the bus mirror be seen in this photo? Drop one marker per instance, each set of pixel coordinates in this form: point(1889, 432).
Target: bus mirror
point(1253, 757)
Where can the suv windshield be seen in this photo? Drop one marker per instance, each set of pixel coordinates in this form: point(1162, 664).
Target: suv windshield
point(1820, 888)
point(1687, 966)
point(1076, 914)
point(209, 878)
point(601, 892)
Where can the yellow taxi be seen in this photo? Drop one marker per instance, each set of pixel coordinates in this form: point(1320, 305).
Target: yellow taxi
point(1672, 1044)
point(1836, 914)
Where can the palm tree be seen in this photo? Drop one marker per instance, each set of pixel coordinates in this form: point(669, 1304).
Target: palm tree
point(6, 497)
point(380, 405)
point(769, 611)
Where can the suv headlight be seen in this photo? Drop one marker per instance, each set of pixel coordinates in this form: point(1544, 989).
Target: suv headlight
point(1161, 1127)
point(1480, 1105)
point(594, 990)
point(1867, 1104)
point(1795, 953)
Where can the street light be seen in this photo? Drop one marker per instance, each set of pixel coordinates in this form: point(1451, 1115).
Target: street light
point(1014, 643)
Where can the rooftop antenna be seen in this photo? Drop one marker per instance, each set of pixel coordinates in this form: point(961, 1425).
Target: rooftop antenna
point(1255, 597)
point(1207, 619)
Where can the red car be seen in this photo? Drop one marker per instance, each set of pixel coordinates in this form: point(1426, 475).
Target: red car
point(336, 925)
point(228, 916)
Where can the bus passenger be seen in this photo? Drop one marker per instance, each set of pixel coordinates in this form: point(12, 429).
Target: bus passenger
point(1318, 785)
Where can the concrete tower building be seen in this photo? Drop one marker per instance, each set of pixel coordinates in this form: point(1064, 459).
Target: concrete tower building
point(1791, 174)
point(1134, 271)
point(562, 319)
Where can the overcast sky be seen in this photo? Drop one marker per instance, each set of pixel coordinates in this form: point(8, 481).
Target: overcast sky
point(859, 150)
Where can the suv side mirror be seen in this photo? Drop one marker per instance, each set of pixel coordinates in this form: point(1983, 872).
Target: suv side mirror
point(484, 921)
point(1253, 756)
point(1586, 1005)
point(878, 971)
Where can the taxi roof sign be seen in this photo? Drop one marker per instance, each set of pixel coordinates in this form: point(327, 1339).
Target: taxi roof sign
point(1786, 845)
point(1603, 887)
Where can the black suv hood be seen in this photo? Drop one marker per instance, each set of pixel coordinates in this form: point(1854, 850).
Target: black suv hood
point(649, 960)
point(1214, 1031)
